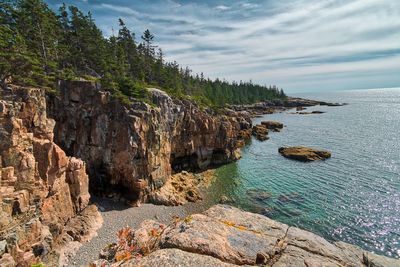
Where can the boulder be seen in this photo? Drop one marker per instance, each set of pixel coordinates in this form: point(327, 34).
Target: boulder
point(272, 124)
point(181, 188)
point(260, 132)
point(304, 153)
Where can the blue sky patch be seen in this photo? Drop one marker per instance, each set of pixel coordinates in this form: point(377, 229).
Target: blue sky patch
point(300, 45)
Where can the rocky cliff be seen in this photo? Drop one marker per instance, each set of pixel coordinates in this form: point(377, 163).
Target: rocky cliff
point(133, 149)
point(43, 193)
point(227, 236)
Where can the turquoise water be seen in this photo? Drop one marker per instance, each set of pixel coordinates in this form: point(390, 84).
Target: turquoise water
point(352, 197)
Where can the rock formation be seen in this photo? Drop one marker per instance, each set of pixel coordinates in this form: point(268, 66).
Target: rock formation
point(304, 153)
point(43, 193)
point(260, 132)
point(308, 112)
point(272, 106)
point(276, 126)
point(227, 236)
point(181, 188)
point(135, 148)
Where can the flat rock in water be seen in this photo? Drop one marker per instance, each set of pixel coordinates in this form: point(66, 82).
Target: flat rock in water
point(304, 153)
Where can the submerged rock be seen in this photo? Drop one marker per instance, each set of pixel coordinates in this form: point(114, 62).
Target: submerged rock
point(291, 197)
point(258, 194)
point(304, 153)
point(225, 200)
point(310, 113)
point(227, 236)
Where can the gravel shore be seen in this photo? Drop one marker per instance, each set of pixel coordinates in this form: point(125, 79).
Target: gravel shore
point(117, 215)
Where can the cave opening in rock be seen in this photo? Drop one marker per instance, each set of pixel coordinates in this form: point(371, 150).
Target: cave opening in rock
point(100, 186)
point(219, 157)
point(184, 163)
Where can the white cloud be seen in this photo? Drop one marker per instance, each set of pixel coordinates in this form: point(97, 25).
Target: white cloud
point(292, 40)
point(121, 9)
point(249, 5)
point(222, 7)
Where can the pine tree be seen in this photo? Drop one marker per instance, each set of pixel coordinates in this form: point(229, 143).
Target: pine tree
point(37, 47)
point(148, 52)
point(16, 62)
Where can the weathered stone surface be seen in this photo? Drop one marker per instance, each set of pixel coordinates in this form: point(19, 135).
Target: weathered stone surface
point(135, 148)
point(7, 261)
point(273, 125)
point(176, 258)
point(181, 188)
point(42, 189)
point(227, 236)
point(225, 240)
point(373, 260)
point(304, 153)
point(260, 132)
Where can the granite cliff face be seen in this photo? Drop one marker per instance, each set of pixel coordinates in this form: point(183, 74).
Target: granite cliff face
point(134, 149)
point(227, 236)
point(43, 193)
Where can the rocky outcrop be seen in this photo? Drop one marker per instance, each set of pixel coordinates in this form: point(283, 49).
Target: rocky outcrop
point(272, 106)
point(182, 187)
point(135, 148)
point(275, 126)
point(227, 236)
point(42, 191)
point(304, 153)
point(260, 132)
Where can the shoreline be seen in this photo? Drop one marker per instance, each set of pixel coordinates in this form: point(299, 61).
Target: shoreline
point(117, 215)
point(136, 215)
point(110, 209)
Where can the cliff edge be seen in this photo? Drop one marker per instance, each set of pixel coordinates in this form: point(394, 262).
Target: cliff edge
point(43, 193)
point(133, 149)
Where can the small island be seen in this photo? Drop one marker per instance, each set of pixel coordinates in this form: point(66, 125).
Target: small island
point(305, 154)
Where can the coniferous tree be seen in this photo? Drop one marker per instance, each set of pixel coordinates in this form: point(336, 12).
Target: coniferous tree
point(148, 51)
point(38, 47)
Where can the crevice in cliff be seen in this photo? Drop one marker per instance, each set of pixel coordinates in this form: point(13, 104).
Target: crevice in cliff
point(184, 163)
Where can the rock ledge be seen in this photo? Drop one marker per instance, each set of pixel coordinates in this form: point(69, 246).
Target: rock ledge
point(227, 236)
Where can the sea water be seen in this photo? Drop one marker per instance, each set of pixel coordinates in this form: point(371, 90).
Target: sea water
point(353, 196)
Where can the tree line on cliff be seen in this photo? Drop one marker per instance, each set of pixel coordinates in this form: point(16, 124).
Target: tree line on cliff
point(38, 47)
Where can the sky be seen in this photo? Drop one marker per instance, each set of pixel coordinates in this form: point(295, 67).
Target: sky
point(299, 45)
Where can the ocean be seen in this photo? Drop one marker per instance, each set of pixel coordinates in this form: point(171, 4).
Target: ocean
point(352, 197)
